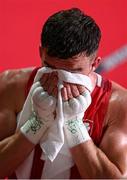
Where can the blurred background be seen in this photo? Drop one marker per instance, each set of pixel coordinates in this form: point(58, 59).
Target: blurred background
point(21, 22)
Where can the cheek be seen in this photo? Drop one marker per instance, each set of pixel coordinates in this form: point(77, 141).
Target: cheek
point(85, 69)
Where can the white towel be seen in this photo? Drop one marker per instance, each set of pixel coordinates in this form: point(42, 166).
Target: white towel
point(56, 152)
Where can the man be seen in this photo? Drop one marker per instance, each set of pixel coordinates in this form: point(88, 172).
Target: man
point(69, 41)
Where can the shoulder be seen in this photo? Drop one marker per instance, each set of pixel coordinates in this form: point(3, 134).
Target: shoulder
point(118, 96)
point(12, 97)
point(117, 110)
point(12, 85)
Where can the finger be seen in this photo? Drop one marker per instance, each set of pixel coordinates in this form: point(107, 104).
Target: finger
point(81, 89)
point(47, 83)
point(64, 94)
point(55, 92)
point(55, 73)
point(74, 105)
point(44, 78)
point(52, 83)
point(68, 89)
point(74, 90)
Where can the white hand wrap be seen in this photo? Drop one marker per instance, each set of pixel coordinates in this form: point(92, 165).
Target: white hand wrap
point(74, 127)
point(42, 114)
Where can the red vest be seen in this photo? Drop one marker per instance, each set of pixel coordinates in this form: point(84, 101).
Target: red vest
point(94, 118)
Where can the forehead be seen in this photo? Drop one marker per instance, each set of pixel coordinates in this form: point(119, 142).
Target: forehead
point(74, 64)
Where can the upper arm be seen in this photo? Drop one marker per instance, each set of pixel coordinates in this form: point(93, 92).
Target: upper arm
point(12, 97)
point(7, 123)
point(114, 145)
point(114, 142)
point(7, 105)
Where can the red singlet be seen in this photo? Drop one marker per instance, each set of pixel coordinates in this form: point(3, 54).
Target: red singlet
point(94, 117)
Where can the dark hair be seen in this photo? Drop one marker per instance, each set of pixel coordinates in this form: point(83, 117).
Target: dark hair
point(70, 32)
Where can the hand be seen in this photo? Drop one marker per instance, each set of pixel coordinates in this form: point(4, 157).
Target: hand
point(49, 81)
point(76, 99)
point(42, 114)
point(44, 105)
point(74, 110)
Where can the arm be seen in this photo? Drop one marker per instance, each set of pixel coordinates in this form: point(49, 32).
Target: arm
point(109, 159)
point(14, 147)
point(13, 150)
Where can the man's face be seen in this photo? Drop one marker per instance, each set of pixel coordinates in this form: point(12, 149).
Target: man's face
point(80, 64)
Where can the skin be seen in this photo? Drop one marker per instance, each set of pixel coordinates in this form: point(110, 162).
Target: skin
point(106, 161)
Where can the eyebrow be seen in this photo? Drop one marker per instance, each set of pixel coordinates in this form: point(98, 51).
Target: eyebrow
point(71, 70)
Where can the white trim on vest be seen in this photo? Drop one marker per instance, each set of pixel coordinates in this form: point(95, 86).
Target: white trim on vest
point(99, 80)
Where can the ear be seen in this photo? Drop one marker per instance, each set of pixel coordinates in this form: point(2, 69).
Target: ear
point(96, 63)
point(40, 51)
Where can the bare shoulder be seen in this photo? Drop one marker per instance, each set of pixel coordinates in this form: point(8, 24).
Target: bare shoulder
point(117, 110)
point(117, 107)
point(118, 89)
point(12, 84)
point(118, 102)
point(12, 97)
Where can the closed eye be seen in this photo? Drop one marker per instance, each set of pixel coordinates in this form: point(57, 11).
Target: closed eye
point(47, 65)
point(76, 70)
